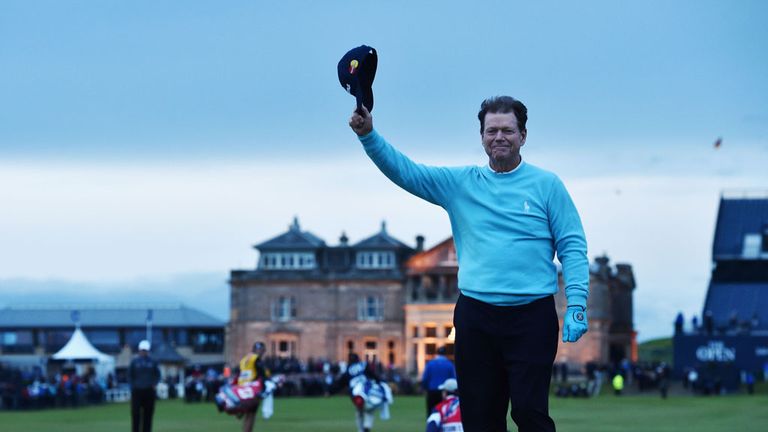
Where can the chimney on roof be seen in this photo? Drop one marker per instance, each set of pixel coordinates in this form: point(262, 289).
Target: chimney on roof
point(625, 275)
point(602, 265)
point(419, 243)
point(384, 227)
point(344, 240)
point(295, 225)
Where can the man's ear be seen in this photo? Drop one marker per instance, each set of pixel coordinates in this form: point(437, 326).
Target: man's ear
point(524, 134)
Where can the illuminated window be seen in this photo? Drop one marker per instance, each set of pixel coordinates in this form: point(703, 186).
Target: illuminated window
point(431, 331)
point(371, 353)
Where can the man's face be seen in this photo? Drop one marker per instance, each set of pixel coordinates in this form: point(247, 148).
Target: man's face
point(501, 137)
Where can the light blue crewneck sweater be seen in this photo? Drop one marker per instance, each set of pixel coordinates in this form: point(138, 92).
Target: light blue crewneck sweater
point(506, 226)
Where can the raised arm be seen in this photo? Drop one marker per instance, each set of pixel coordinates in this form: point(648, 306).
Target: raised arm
point(434, 184)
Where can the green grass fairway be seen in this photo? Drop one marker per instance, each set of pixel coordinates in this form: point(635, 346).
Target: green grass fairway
point(607, 413)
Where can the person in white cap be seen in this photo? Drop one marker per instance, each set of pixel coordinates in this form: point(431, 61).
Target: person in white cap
point(446, 416)
point(143, 376)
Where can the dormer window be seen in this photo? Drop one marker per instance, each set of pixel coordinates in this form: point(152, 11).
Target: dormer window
point(288, 261)
point(376, 260)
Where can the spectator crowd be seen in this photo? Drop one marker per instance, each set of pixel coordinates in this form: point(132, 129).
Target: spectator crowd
point(31, 389)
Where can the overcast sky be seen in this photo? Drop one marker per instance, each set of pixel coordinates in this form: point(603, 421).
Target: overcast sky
point(144, 141)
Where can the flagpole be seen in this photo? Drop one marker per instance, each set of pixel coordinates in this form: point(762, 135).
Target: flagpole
point(149, 325)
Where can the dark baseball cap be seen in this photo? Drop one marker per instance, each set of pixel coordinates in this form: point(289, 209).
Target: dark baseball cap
point(357, 69)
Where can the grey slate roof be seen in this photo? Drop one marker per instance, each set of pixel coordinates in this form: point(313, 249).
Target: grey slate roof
point(293, 239)
point(735, 218)
point(41, 316)
point(165, 353)
point(381, 240)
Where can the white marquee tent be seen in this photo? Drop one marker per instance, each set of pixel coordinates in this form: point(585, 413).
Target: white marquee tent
point(80, 349)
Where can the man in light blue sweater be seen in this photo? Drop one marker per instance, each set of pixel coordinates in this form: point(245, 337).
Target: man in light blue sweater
point(509, 219)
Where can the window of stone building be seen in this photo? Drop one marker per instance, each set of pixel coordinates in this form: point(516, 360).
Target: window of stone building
point(391, 355)
point(447, 330)
point(375, 260)
point(288, 261)
point(430, 331)
point(371, 352)
point(415, 357)
point(415, 331)
point(370, 308)
point(350, 348)
point(283, 346)
point(430, 351)
point(415, 287)
point(283, 308)
point(429, 287)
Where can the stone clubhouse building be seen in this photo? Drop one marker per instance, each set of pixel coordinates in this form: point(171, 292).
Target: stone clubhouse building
point(389, 302)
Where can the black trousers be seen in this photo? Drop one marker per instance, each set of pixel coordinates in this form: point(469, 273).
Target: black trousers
point(142, 409)
point(434, 397)
point(504, 357)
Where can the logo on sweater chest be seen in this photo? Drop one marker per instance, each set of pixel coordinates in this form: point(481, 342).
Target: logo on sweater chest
point(526, 207)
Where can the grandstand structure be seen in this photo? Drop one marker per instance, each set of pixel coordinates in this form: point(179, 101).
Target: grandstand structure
point(181, 336)
point(733, 336)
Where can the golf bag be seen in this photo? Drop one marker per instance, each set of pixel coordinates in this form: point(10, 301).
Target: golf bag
point(369, 395)
point(238, 399)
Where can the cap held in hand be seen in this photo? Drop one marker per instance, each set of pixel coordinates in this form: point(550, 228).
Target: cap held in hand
point(357, 69)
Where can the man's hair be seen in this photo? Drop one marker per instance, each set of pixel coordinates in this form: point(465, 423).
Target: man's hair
point(258, 346)
point(503, 105)
point(441, 350)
